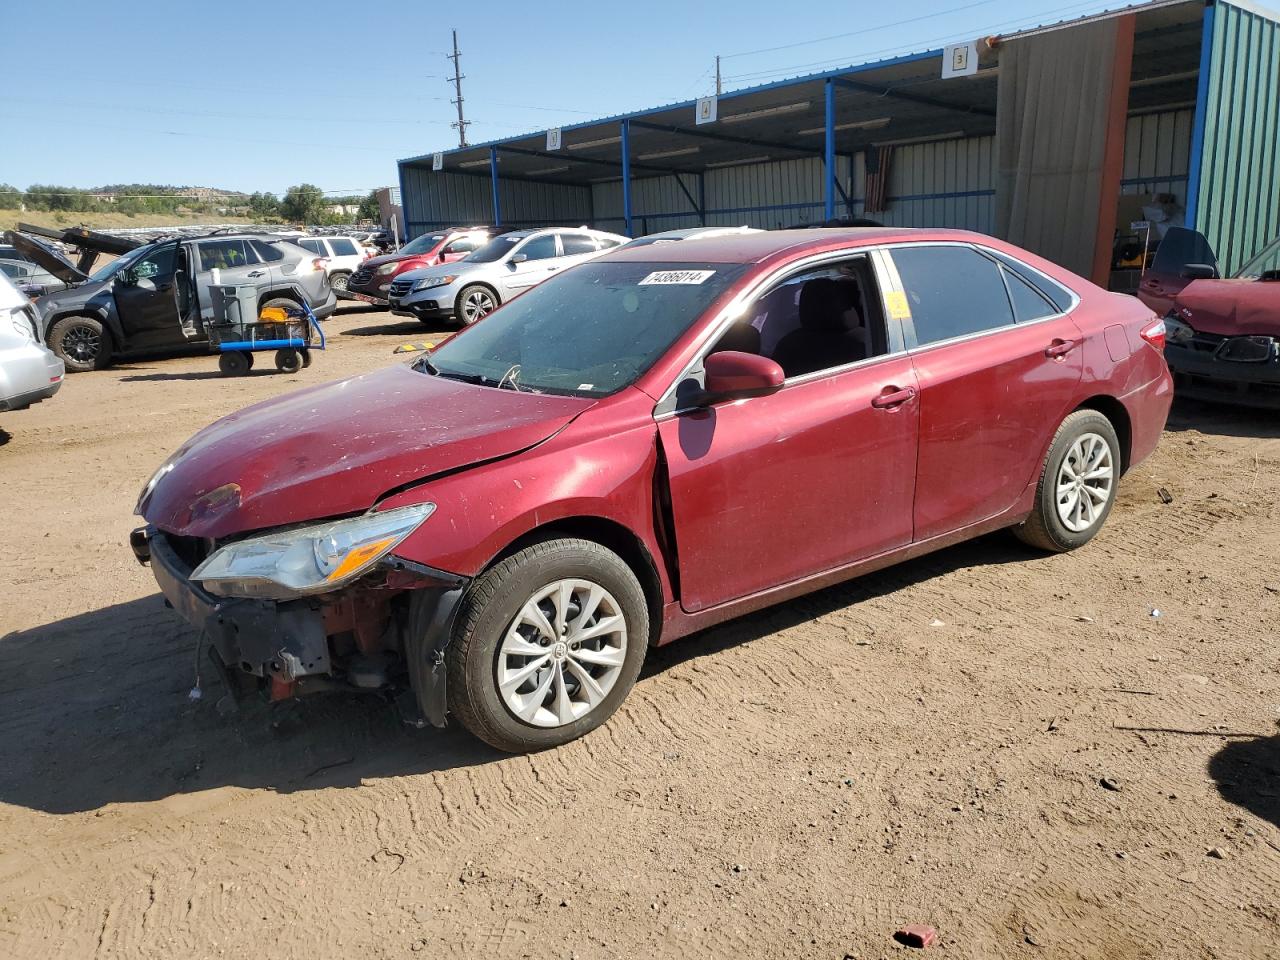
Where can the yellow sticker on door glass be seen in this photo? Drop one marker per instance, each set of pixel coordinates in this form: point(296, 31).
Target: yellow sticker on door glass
point(899, 308)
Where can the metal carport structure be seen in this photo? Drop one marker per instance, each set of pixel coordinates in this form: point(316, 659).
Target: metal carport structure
point(796, 151)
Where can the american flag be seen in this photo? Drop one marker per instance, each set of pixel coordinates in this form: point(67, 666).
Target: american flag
point(876, 192)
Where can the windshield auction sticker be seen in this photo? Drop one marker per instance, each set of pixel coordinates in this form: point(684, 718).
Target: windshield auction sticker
point(678, 276)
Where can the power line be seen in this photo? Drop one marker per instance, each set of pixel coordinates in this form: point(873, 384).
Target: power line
point(857, 33)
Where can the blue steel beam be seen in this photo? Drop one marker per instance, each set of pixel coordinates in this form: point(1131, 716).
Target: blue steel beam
point(626, 175)
point(493, 180)
point(1198, 123)
point(829, 153)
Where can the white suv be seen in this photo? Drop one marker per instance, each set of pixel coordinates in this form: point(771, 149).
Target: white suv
point(343, 253)
point(503, 268)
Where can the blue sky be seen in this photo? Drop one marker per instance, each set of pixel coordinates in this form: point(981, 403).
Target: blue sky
point(260, 95)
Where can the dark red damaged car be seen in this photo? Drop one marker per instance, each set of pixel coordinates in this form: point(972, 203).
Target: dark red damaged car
point(646, 445)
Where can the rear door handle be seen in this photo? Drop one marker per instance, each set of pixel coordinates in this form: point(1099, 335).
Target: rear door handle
point(1059, 348)
point(255, 273)
point(891, 397)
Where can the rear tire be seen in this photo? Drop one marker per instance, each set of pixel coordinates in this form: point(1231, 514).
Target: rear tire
point(1077, 485)
point(81, 343)
point(574, 685)
point(288, 361)
point(284, 303)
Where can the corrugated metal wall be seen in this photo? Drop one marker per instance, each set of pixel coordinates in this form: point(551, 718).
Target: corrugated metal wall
point(947, 183)
point(440, 199)
point(1238, 207)
point(775, 194)
point(1157, 151)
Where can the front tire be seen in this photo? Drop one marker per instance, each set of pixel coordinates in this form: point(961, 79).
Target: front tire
point(339, 283)
point(474, 303)
point(81, 343)
point(1077, 484)
point(546, 646)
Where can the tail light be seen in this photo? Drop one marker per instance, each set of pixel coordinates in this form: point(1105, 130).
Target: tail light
point(1154, 334)
point(321, 264)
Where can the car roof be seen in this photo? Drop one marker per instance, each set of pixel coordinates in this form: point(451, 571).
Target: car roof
point(755, 247)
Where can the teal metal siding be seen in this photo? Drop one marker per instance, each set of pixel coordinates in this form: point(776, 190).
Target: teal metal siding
point(1238, 200)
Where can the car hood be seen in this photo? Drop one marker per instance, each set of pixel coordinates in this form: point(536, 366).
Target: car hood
point(376, 262)
point(338, 448)
point(1231, 308)
point(45, 256)
point(459, 268)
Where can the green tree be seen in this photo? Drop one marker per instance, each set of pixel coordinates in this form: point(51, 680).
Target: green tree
point(369, 209)
point(303, 204)
point(10, 196)
point(264, 205)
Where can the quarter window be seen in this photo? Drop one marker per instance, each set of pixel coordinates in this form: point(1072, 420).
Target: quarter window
point(951, 291)
point(1028, 302)
point(342, 247)
point(540, 248)
point(315, 246)
point(267, 252)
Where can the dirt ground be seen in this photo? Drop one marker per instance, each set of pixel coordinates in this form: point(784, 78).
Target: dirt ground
point(925, 745)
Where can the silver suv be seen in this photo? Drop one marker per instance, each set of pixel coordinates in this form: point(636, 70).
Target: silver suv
point(504, 267)
point(156, 298)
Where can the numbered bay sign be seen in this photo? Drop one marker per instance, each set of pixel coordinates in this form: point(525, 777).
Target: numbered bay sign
point(437, 161)
point(553, 138)
point(705, 111)
point(960, 60)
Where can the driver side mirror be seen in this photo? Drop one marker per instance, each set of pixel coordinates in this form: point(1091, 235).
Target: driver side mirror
point(128, 277)
point(731, 375)
point(519, 258)
point(1198, 271)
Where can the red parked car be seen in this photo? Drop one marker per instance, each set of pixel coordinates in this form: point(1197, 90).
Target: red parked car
point(372, 279)
point(1223, 334)
point(643, 446)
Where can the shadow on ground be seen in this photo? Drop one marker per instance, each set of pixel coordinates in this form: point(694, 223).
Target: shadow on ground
point(96, 707)
point(408, 328)
point(1247, 774)
point(1222, 419)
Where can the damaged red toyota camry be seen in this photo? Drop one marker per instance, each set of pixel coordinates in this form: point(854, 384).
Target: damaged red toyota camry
point(646, 445)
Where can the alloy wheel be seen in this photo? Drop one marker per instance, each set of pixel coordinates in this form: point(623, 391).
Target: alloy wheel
point(81, 342)
point(562, 653)
point(478, 304)
point(1086, 480)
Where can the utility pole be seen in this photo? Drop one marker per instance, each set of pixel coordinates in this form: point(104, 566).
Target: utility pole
point(717, 74)
point(456, 57)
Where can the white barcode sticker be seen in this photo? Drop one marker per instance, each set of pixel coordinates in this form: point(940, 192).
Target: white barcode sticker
point(677, 276)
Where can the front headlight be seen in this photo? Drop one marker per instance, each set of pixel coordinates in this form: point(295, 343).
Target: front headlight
point(429, 282)
point(1175, 331)
point(307, 560)
point(387, 268)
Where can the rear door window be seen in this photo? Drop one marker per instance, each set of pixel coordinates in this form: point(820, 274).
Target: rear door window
point(225, 254)
point(577, 243)
point(951, 292)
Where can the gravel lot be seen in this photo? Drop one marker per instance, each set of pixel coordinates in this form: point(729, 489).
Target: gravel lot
point(924, 745)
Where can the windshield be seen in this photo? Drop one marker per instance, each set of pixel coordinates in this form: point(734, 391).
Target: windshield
point(495, 249)
point(590, 331)
point(422, 244)
point(109, 270)
point(1268, 261)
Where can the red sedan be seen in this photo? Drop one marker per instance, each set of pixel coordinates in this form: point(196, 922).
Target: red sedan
point(651, 443)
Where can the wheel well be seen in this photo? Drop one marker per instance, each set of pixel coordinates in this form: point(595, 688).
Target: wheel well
point(286, 294)
point(615, 537)
point(73, 314)
point(1115, 411)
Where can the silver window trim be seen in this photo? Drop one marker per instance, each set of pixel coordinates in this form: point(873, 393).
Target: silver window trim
point(881, 259)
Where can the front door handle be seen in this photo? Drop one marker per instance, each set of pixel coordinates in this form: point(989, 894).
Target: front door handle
point(1059, 348)
point(891, 397)
point(164, 287)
